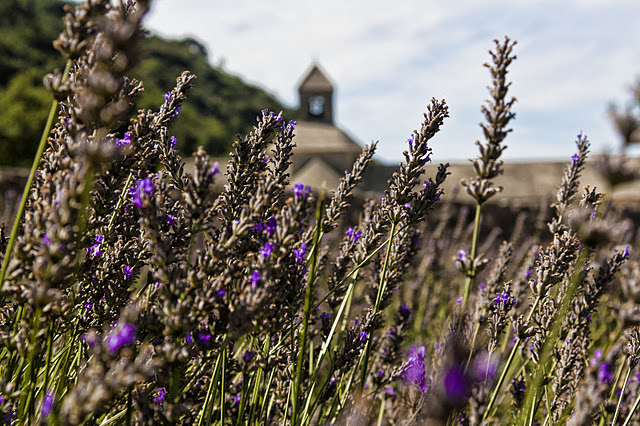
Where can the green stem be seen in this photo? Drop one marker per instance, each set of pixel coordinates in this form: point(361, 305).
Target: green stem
point(204, 412)
point(381, 412)
point(632, 412)
point(558, 319)
point(381, 289)
point(307, 307)
point(327, 343)
point(47, 368)
point(223, 382)
point(243, 398)
point(267, 412)
point(34, 168)
point(469, 278)
point(624, 387)
point(258, 382)
point(26, 401)
point(503, 375)
point(359, 266)
point(123, 195)
point(65, 363)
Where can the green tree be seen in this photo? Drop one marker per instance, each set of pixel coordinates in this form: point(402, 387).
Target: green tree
point(220, 107)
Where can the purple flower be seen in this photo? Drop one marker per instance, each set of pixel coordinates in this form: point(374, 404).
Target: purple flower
point(456, 383)
point(271, 225)
point(625, 253)
point(528, 273)
point(255, 277)
point(46, 239)
point(94, 250)
point(299, 253)
point(405, 310)
point(292, 125)
point(501, 297)
point(519, 386)
point(363, 336)
point(459, 300)
point(301, 191)
point(462, 254)
point(325, 316)
point(125, 336)
point(411, 140)
point(143, 186)
point(604, 373)
point(426, 184)
point(172, 142)
point(175, 114)
point(171, 219)
point(128, 270)
point(220, 294)
point(88, 305)
point(162, 392)
point(214, 169)
point(126, 140)
point(248, 356)
point(267, 249)
point(355, 236)
point(188, 338)
point(204, 337)
point(575, 158)
point(237, 398)
point(167, 96)
point(414, 371)
point(47, 405)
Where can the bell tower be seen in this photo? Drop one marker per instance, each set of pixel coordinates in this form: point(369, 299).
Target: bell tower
point(316, 97)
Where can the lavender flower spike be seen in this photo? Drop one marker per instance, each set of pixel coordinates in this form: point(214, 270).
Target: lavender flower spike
point(125, 336)
point(414, 371)
point(144, 187)
point(47, 405)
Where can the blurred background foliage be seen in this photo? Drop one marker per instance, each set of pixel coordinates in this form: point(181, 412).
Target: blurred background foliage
point(220, 106)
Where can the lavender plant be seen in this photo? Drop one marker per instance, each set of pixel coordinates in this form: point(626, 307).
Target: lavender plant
point(134, 292)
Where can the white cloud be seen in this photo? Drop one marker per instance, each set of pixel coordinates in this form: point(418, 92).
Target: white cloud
point(388, 61)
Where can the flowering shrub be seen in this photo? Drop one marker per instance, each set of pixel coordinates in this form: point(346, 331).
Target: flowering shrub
point(135, 293)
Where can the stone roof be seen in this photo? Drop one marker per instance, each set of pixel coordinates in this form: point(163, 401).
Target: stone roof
point(317, 174)
point(315, 80)
point(322, 138)
point(530, 183)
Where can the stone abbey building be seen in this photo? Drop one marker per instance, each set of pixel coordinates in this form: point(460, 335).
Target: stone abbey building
point(323, 151)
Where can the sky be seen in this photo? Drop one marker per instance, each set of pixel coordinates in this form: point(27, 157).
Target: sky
point(388, 60)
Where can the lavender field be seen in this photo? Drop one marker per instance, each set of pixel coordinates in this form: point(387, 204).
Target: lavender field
point(136, 293)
